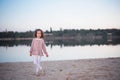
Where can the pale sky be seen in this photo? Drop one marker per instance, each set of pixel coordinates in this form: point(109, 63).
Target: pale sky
point(24, 15)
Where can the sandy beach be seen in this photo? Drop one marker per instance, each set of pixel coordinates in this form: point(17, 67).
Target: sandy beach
point(83, 69)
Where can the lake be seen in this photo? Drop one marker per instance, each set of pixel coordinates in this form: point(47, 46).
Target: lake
point(20, 52)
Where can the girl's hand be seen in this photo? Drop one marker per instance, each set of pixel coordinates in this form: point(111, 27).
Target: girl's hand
point(46, 55)
point(30, 54)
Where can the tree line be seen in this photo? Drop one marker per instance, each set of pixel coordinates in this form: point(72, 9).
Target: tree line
point(64, 32)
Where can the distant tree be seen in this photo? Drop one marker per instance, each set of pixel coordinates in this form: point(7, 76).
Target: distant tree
point(50, 29)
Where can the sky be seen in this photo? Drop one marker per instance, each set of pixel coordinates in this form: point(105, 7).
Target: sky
point(25, 15)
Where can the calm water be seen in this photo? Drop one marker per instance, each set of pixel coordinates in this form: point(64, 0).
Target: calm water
point(20, 53)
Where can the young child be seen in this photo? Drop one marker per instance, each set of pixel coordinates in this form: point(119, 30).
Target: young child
point(37, 49)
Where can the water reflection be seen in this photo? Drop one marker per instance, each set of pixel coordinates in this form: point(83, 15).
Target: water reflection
point(11, 43)
point(63, 42)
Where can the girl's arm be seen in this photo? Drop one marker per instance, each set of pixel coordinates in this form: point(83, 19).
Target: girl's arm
point(44, 48)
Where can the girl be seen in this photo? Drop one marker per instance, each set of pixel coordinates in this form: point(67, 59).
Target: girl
point(37, 49)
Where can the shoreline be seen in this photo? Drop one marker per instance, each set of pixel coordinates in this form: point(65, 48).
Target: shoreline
point(62, 60)
point(82, 69)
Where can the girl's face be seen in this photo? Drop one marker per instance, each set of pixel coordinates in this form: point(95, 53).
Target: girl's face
point(39, 33)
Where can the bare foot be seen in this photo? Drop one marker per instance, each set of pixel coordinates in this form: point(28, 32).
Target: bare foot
point(43, 72)
point(37, 74)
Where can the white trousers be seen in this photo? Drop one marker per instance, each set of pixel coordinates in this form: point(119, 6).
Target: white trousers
point(37, 62)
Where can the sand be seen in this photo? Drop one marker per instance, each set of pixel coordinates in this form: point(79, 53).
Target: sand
point(84, 69)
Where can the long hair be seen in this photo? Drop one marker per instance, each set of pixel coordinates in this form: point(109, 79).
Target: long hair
point(42, 34)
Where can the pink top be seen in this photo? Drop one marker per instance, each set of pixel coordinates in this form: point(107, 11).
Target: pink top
point(38, 47)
